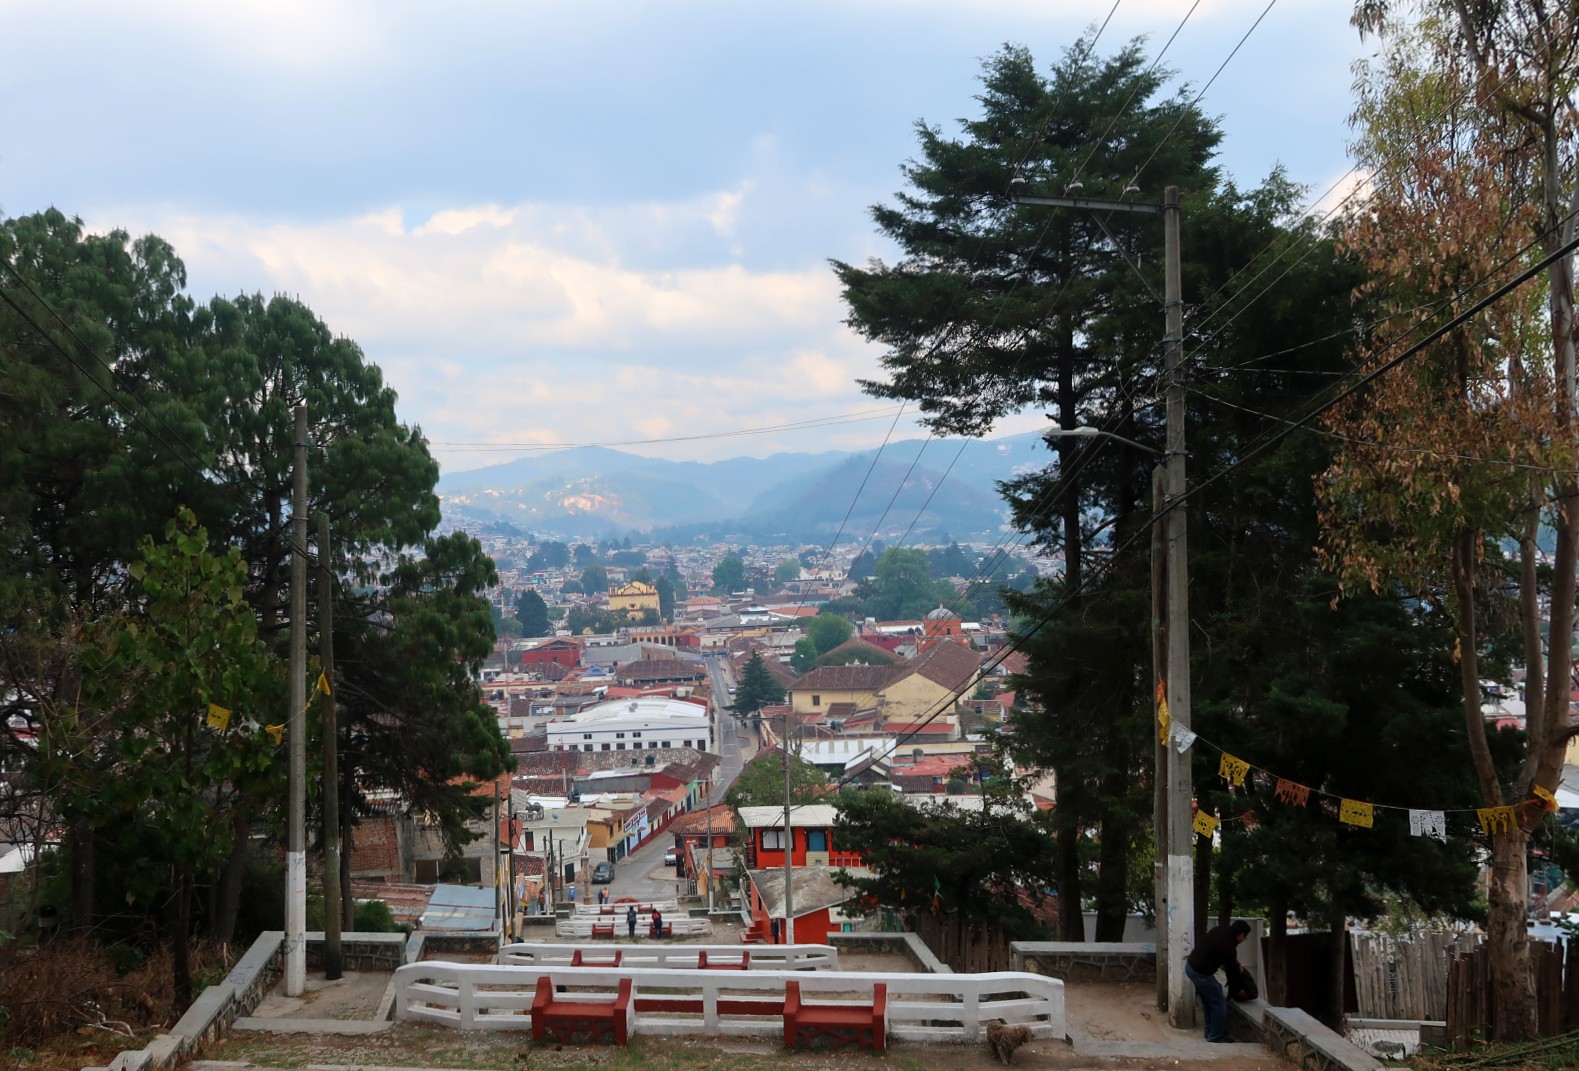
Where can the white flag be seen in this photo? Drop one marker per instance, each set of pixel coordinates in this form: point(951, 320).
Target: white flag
point(1428, 824)
point(1182, 738)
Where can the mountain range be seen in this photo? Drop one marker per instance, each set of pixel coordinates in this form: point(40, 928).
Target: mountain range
point(938, 486)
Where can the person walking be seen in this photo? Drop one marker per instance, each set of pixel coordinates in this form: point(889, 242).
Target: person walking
point(1217, 951)
point(630, 919)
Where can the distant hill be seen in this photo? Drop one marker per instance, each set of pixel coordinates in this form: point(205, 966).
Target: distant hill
point(595, 491)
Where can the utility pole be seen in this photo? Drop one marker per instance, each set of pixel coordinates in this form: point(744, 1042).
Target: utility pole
point(1175, 895)
point(1181, 785)
point(295, 850)
point(789, 841)
point(709, 856)
point(333, 958)
point(1159, 771)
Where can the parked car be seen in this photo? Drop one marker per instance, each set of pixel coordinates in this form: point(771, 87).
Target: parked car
point(603, 873)
point(670, 857)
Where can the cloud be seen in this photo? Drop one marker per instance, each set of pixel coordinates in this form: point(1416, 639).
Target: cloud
point(531, 323)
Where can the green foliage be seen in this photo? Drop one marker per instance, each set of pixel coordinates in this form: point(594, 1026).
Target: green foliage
point(827, 631)
point(786, 570)
point(594, 619)
point(972, 864)
point(729, 575)
point(549, 555)
point(158, 676)
point(902, 587)
point(594, 579)
point(805, 655)
point(761, 783)
point(532, 612)
point(757, 687)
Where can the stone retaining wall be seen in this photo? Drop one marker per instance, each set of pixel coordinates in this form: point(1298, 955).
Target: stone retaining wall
point(1087, 962)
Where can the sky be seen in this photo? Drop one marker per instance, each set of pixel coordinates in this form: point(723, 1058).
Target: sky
point(564, 223)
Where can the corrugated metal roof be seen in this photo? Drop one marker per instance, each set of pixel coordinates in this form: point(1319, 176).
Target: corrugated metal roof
point(802, 816)
point(461, 907)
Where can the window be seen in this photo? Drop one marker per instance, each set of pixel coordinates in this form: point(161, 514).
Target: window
point(636, 735)
point(606, 747)
point(620, 736)
point(666, 743)
point(816, 700)
point(619, 747)
point(773, 840)
point(586, 736)
point(586, 747)
point(816, 840)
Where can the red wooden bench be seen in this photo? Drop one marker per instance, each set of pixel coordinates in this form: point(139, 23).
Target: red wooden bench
point(578, 960)
point(741, 964)
point(588, 1021)
point(603, 929)
point(838, 1024)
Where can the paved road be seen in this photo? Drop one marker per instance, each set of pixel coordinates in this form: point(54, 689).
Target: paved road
point(642, 873)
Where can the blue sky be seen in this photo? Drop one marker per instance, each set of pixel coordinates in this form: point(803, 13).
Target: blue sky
point(563, 223)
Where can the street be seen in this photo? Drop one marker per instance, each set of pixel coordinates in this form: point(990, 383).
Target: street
point(642, 874)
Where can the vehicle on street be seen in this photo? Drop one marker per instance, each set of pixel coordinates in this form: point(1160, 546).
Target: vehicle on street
point(603, 873)
point(670, 858)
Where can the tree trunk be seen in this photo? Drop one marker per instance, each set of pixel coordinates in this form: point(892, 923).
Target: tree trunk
point(1066, 827)
point(1512, 986)
point(181, 938)
point(1203, 884)
point(1277, 957)
point(347, 901)
point(82, 872)
point(1338, 961)
point(1113, 860)
point(235, 873)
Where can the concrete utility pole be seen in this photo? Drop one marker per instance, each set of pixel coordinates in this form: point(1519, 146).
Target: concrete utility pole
point(1181, 863)
point(295, 849)
point(1175, 887)
point(789, 842)
point(708, 803)
point(333, 959)
point(1159, 770)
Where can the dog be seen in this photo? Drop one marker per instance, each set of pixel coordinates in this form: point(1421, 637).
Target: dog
point(1003, 1039)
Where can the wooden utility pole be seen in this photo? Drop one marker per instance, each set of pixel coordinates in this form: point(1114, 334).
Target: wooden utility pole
point(295, 846)
point(333, 959)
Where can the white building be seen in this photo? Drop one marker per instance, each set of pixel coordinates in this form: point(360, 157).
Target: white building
point(634, 725)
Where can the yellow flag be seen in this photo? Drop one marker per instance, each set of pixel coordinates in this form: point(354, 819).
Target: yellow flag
point(1163, 717)
point(1495, 819)
point(1204, 824)
point(218, 717)
point(1232, 770)
point(1546, 796)
point(276, 731)
point(1356, 813)
point(323, 684)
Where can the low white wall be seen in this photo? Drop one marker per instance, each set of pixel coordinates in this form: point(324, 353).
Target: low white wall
point(921, 1007)
point(672, 957)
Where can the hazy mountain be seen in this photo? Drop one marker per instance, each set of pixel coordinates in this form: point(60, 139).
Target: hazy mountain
point(598, 491)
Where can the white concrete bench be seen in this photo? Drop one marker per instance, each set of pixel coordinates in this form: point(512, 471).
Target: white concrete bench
point(920, 1007)
point(670, 957)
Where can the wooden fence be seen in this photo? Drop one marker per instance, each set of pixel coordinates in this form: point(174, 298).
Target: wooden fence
point(1404, 976)
point(967, 950)
point(1469, 1005)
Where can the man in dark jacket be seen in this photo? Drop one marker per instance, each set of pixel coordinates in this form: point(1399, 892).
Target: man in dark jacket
point(1217, 951)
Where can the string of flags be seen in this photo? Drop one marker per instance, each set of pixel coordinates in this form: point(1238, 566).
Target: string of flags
point(1423, 822)
point(219, 717)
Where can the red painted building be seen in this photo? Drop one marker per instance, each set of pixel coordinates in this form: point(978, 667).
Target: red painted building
point(816, 898)
point(559, 651)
